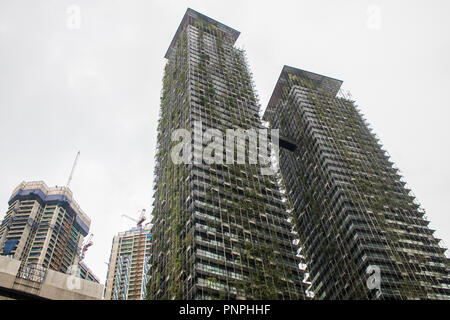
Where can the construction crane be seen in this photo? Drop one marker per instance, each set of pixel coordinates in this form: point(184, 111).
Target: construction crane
point(73, 169)
point(86, 246)
point(138, 221)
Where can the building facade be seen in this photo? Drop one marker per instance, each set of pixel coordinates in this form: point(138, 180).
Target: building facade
point(43, 226)
point(221, 231)
point(363, 233)
point(128, 265)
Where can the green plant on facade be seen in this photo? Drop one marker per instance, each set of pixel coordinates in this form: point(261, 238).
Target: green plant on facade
point(203, 215)
point(345, 181)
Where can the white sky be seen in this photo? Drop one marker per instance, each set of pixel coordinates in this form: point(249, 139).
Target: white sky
point(96, 89)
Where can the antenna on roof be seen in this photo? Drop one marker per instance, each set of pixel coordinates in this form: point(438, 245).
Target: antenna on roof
point(73, 168)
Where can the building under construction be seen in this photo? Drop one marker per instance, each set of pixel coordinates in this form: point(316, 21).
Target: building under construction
point(44, 226)
point(221, 231)
point(128, 264)
point(43, 232)
point(363, 233)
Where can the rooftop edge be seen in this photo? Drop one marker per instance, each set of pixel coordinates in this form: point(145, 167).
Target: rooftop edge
point(331, 84)
point(189, 18)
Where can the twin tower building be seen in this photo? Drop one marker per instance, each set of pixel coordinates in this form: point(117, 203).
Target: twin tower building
point(331, 220)
point(334, 222)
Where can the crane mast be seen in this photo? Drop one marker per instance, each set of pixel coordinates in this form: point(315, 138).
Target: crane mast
point(73, 169)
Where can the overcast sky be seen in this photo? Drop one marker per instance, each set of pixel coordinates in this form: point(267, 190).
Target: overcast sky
point(96, 88)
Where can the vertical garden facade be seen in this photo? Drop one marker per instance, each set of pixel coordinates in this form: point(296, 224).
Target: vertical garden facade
point(363, 233)
point(221, 231)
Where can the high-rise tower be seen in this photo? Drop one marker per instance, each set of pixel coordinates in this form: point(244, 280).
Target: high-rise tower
point(221, 231)
point(128, 264)
point(363, 234)
point(44, 226)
